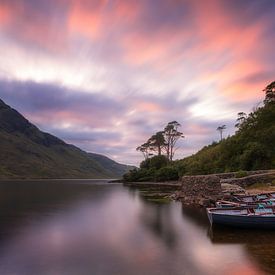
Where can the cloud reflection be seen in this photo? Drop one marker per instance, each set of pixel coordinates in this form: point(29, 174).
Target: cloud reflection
point(117, 234)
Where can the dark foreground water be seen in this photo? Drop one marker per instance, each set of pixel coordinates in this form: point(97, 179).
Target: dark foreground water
point(91, 227)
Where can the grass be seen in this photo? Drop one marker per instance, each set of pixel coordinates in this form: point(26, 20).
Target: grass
point(261, 187)
point(154, 195)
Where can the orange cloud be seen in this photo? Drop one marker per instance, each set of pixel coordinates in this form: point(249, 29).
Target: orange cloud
point(5, 14)
point(85, 21)
point(199, 130)
point(95, 19)
point(148, 107)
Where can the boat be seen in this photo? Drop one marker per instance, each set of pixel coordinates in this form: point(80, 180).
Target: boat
point(230, 204)
point(260, 216)
point(267, 199)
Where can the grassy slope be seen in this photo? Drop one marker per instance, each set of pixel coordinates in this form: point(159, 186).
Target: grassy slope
point(251, 148)
point(26, 152)
point(113, 166)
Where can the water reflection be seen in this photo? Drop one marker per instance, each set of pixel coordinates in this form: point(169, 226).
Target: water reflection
point(71, 228)
point(259, 245)
point(157, 218)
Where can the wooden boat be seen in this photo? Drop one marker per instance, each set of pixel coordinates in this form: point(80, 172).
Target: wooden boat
point(267, 199)
point(247, 217)
point(230, 204)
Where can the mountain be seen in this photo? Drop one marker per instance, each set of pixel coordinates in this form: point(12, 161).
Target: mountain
point(27, 152)
point(111, 165)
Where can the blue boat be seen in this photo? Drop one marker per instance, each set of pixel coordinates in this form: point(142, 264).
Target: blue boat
point(244, 217)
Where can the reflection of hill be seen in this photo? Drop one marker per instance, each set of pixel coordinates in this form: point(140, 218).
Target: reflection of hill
point(22, 201)
point(260, 245)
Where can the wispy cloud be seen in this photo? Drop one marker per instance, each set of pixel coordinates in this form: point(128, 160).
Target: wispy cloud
point(106, 74)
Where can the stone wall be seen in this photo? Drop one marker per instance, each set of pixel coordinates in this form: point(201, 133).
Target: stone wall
point(252, 179)
point(204, 190)
point(200, 190)
point(230, 175)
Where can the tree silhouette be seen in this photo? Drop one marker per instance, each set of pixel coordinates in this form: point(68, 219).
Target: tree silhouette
point(171, 135)
point(221, 129)
point(269, 93)
point(144, 149)
point(242, 117)
point(157, 142)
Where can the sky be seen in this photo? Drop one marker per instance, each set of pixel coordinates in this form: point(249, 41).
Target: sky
point(105, 75)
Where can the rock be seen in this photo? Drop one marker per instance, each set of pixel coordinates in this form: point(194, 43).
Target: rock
point(200, 190)
point(232, 189)
point(266, 177)
point(205, 190)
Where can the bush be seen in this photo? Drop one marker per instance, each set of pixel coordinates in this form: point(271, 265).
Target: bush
point(241, 174)
point(140, 175)
point(167, 173)
point(255, 156)
point(155, 162)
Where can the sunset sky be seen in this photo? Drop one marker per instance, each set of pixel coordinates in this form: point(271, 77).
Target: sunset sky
point(105, 75)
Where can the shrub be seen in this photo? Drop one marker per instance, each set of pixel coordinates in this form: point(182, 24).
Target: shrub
point(167, 173)
point(139, 175)
point(156, 162)
point(241, 174)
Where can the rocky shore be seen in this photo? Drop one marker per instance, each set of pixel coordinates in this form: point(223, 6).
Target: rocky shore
point(205, 190)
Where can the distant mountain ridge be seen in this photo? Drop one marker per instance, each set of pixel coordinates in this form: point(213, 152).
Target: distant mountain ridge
point(27, 152)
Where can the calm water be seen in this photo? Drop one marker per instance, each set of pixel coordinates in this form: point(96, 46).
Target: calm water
point(91, 227)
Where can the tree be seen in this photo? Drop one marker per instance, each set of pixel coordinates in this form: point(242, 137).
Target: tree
point(144, 149)
point(269, 93)
point(221, 129)
point(157, 142)
point(171, 136)
point(242, 117)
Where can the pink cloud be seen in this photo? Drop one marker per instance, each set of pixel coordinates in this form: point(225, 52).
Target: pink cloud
point(94, 19)
point(5, 14)
point(86, 21)
point(148, 107)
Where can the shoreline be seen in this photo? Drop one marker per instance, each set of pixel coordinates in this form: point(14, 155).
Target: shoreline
point(205, 190)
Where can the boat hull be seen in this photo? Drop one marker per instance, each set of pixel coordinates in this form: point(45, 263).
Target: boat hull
point(253, 221)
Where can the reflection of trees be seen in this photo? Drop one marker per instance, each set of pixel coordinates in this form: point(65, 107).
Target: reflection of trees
point(259, 244)
point(196, 215)
point(158, 219)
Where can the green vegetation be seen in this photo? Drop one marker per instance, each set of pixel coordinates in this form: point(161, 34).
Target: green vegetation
point(252, 147)
point(241, 174)
point(157, 168)
point(264, 186)
point(27, 152)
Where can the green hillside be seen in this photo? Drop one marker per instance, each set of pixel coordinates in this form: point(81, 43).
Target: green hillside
point(251, 148)
point(27, 152)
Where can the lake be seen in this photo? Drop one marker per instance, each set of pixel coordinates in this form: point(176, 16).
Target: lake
point(92, 227)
